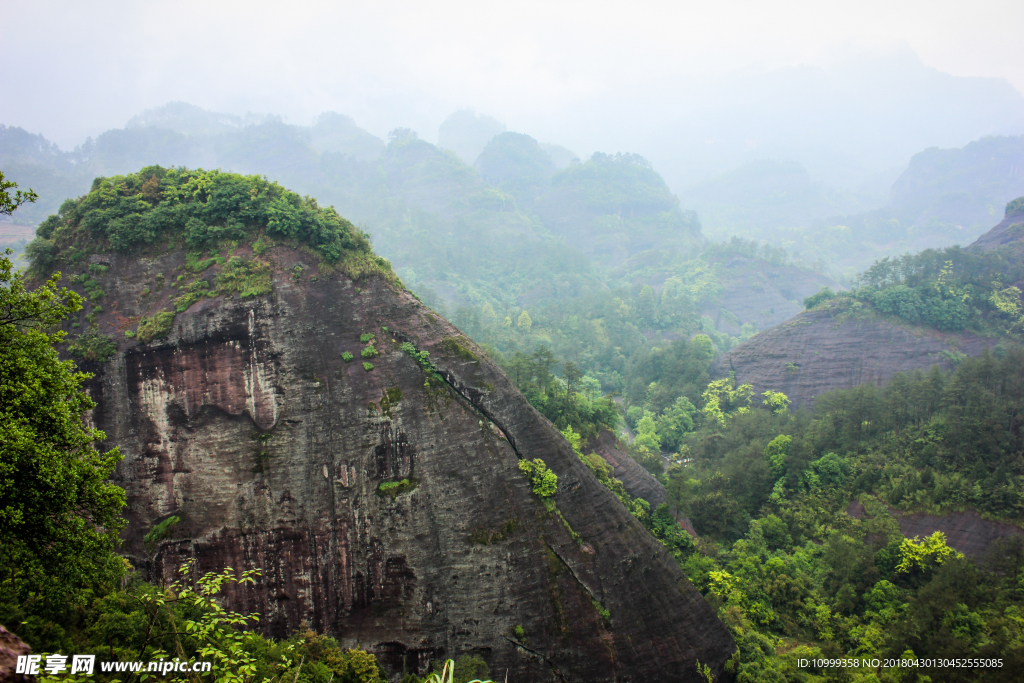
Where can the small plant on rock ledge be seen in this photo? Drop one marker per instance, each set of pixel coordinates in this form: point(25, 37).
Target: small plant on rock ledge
point(543, 481)
point(393, 489)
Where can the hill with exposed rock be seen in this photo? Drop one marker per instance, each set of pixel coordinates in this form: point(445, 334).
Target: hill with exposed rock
point(282, 402)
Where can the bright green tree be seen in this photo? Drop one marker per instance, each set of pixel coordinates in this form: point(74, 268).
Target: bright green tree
point(59, 517)
point(646, 433)
point(544, 481)
point(524, 323)
point(776, 453)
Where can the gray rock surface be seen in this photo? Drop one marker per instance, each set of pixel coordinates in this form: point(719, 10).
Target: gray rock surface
point(829, 348)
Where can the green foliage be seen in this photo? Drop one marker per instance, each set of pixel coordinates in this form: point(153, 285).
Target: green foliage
point(192, 293)
point(776, 453)
point(248, 277)
point(723, 399)
point(826, 294)
point(951, 289)
point(92, 347)
point(922, 556)
point(586, 411)
point(195, 263)
point(518, 632)
point(1015, 206)
point(201, 208)
point(646, 433)
point(775, 401)
point(544, 482)
point(367, 366)
point(160, 531)
point(369, 352)
point(463, 670)
point(457, 346)
point(788, 570)
point(158, 326)
point(347, 356)
point(393, 489)
point(10, 202)
point(422, 359)
point(59, 515)
point(366, 338)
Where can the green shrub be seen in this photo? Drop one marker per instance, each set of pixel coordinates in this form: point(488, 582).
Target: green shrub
point(367, 366)
point(248, 277)
point(161, 530)
point(94, 347)
point(191, 293)
point(394, 489)
point(825, 294)
point(366, 337)
point(347, 357)
point(544, 482)
point(369, 352)
point(156, 327)
point(202, 208)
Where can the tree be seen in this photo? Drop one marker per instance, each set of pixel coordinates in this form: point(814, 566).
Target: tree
point(59, 517)
point(524, 323)
point(572, 375)
point(10, 202)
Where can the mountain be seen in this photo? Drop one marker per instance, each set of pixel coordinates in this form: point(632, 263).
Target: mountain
point(911, 313)
point(283, 403)
point(467, 133)
point(1009, 231)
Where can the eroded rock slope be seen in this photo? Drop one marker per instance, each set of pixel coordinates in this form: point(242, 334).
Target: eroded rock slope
point(833, 348)
point(247, 423)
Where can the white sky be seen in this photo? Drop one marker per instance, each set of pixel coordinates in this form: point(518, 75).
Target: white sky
point(76, 68)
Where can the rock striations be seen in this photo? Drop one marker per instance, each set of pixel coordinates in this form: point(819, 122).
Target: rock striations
point(836, 346)
point(833, 348)
point(247, 424)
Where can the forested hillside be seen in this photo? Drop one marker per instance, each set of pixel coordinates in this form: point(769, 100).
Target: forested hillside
point(795, 575)
point(592, 260)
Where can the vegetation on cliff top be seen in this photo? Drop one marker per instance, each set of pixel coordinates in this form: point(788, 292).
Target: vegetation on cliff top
point(951, 289)
point(200, 210)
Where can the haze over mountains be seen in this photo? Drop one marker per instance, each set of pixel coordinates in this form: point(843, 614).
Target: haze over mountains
point(693, 399)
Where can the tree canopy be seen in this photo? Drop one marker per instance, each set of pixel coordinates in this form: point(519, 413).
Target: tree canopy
point(202, 208)
point(59, 517)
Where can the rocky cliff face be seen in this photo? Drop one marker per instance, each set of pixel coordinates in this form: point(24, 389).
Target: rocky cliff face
point(248, 425)
point(1008, 231)
point(832, 348)
point(965, 531)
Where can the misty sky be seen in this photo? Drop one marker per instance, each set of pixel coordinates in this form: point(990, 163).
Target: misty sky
point(77, 68)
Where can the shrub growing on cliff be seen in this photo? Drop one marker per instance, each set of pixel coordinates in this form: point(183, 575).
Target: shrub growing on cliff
point(94, 347)
point(201, 208)
point(156, 327)
point(543, 481)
